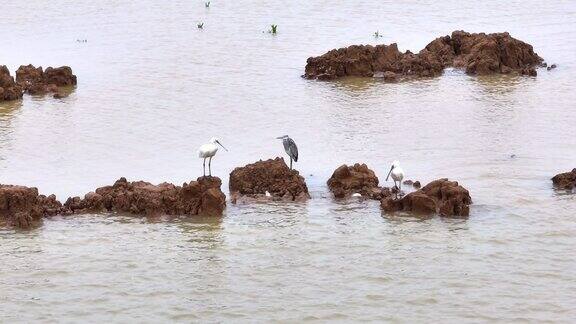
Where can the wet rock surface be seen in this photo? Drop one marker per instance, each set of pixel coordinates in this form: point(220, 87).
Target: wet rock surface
point(357, 179)
point(201, 197)
point(447, 198)
point(477, 54)
point(22, 207)
point(253, 181)
point(566, 180)
point(9, 89)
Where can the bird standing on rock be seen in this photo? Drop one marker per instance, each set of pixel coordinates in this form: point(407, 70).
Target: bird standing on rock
point(290, 148)
point(397, 174)
point(207, 151)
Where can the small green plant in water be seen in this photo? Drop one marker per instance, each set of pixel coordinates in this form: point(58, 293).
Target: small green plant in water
point(207, 4)
point(274, 29)
point(200, 25)
point(377, 34)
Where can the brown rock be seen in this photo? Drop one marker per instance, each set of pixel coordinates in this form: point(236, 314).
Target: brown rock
point(347, 180)
point(201, 197)
point(476, 53)
point(35, 81)
point(28, 74)
point(9, 90)
point(565, 180)
point(273, 176)
point(491, 53)
point(22, 207)
point(445, 197)
point(390, 76)
point(61, 76)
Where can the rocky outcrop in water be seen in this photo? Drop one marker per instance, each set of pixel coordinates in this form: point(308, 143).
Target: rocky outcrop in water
point(254, 181)
point(442, 196)
point(201, 197)
point(35, 81)
point(22, 207)
point(566, 181)
point(9, 90)
point(476, 53)
point(357, 179)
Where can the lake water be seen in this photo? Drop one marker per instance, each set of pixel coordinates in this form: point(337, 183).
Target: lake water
point(153, 87)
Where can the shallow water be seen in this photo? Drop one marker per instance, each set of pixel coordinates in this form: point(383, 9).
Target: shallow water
point(152, 88)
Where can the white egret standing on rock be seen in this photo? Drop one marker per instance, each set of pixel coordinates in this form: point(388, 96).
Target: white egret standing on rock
point(290, 148)
point(397, 174)
point(207, 151)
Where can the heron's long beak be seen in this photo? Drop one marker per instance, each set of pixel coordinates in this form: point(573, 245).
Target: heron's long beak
point(222, 146)
point(388, 176)
point(281, 137)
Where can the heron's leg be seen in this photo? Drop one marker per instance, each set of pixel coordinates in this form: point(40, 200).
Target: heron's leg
point(290, 163)
point(204, 166)
point(210, 166)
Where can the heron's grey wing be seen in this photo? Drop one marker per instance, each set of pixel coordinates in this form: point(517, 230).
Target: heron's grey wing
point(293, 149)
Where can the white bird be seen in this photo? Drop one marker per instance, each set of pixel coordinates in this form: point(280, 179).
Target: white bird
point(207, 151)
point(397, 174)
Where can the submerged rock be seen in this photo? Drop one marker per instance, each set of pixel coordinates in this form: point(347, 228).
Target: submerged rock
point(9, 89)
point(22, 207)
point(476, 53)
point(35, 81)
point(565, 180)
point(357, 179)
point(442, 196)
point(265, 180)
point(201, 197)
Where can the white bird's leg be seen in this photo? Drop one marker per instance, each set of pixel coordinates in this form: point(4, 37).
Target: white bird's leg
point(209, 166)
point(204, 166)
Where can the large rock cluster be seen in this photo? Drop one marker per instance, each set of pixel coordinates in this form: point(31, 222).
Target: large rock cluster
point(566, 181)
point(442, 196)
point(270, 179)
point(34, 80)
point(357, 179)
point(476, 53)
point(201, 197)
point(23, 207)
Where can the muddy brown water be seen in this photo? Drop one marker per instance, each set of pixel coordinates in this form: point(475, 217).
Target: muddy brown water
point(152, 88)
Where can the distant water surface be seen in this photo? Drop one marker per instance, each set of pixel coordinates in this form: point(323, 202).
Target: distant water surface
point(152, 88)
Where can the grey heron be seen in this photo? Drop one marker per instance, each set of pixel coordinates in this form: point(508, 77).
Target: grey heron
point(207, 151)
point(290, 148)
